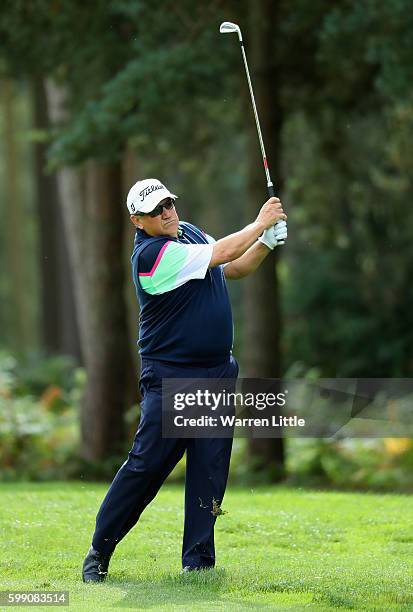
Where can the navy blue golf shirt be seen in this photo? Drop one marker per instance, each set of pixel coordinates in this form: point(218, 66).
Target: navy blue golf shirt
point(185, 313)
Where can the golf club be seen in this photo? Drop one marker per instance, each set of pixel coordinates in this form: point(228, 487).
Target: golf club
point(226, 28)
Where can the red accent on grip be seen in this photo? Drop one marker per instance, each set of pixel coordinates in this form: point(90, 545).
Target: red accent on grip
point(265, 163)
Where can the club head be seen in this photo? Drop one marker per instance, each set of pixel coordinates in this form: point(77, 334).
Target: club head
point(227, 28)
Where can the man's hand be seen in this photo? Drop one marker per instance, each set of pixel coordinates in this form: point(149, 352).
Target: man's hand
point(235, 245)
point(270, 213)
point(275, 235)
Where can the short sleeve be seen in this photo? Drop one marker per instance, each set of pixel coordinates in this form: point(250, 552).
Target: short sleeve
point(175, 265)
point(210, 239)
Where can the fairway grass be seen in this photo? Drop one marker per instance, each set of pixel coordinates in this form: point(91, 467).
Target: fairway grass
point(277, 549)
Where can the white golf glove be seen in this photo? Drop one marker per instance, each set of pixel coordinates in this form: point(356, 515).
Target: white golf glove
point(275, 235)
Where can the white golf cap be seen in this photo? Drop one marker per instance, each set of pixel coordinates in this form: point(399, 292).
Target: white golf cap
point(145, 195)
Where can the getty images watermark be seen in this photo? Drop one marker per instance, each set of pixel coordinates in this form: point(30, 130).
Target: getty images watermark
point(220, 401)
point(271, 408)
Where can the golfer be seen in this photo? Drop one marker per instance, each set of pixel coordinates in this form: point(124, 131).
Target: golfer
point(186, 331)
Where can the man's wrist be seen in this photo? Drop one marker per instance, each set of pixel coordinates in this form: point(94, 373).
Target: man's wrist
point(258, 226)
point(266, 241)
point(264, 246)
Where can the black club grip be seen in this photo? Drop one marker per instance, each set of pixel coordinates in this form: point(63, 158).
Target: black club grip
point(271, 191)
point(271, 194)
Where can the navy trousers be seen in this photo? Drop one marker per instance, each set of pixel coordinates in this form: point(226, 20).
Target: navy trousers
point(152, 458)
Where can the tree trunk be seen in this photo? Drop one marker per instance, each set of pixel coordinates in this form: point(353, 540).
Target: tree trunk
point(262, 323)
point(93, 218)
point(59, 321)
point(22, 337)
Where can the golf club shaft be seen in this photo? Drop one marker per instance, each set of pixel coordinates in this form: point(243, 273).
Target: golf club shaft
point(270, 186)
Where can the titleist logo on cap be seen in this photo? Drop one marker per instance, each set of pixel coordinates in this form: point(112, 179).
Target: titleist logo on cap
point(145, 192)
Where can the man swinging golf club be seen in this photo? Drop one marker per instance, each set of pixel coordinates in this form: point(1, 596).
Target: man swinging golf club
point(185, 332)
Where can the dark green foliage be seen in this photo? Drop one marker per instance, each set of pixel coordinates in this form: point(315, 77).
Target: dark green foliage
point(348, 289)
point(159, 79)
point(384, 465)
point(39, 406)
point(375, 34)
point(348, 162)
point(34, 374)
point(156, 77)
point(39, 421)
point(132, 68)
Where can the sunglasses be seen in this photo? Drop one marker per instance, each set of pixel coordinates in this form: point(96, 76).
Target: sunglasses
point(159, 209)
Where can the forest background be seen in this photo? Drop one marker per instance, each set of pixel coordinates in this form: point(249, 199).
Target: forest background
point(96, 95)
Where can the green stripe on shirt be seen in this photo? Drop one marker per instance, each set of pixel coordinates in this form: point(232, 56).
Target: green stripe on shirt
point(164, 277)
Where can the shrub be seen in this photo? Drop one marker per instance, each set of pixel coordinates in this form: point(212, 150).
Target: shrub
point(39, 417)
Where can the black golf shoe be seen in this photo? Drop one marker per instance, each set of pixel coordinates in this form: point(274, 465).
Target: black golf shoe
point(95, 566)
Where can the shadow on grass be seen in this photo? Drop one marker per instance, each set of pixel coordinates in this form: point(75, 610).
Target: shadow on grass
point(180, 589)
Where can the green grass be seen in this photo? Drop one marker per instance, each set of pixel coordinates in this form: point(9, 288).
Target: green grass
point(277, 548)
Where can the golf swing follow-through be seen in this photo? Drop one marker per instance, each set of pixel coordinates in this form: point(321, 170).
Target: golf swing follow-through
point(185, 331)
point(227, 27)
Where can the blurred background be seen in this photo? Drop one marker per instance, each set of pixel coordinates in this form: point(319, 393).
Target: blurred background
point(97, 95)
